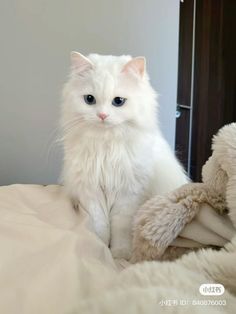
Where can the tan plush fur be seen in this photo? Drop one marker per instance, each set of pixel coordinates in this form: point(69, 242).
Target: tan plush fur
point(142, 287)
point(160, 220)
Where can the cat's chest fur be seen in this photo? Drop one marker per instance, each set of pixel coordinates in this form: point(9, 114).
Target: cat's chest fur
point(114, 168)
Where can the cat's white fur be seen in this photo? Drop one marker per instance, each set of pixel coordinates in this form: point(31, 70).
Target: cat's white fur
point(112, 166)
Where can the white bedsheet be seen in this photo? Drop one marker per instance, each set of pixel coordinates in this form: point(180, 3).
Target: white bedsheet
point(52, 263)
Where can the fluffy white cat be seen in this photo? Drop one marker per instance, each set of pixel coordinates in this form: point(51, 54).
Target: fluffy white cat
point(115, 156)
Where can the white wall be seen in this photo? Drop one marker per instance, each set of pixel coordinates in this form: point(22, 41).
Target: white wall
point(36, 39)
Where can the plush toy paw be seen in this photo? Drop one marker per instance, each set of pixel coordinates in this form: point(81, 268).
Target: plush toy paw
point(143, 250)
point(159, 221)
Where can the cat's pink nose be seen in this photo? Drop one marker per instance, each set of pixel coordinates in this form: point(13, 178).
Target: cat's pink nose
point(102, 115)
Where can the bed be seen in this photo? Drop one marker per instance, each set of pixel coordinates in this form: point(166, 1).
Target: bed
point(51, 262)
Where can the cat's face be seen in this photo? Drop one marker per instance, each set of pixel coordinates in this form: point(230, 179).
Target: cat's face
point(107, 91)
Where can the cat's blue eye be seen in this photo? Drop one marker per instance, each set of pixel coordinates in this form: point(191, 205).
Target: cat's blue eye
point(90, 99)
point(118, 101)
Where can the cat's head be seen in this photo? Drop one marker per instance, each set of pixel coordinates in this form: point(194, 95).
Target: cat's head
point(106, 92)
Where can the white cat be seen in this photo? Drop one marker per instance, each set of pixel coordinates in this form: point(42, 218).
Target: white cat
point(115, 156)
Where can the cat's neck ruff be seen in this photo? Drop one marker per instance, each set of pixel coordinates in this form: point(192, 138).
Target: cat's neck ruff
point(114, 134)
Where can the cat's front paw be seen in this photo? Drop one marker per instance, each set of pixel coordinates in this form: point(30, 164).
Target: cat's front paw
point(121, 252)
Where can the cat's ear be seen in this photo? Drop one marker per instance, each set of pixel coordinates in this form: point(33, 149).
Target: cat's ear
point(136, 65)
point(80, 63)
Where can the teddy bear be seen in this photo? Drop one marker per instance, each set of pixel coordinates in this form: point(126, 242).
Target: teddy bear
point(194, 216)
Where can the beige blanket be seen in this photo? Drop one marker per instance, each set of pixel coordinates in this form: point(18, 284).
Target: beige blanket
point(52, 263)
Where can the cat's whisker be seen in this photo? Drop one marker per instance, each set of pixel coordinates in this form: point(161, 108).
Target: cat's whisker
point(58, 135)
point(70, 127)
point(50, 145)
